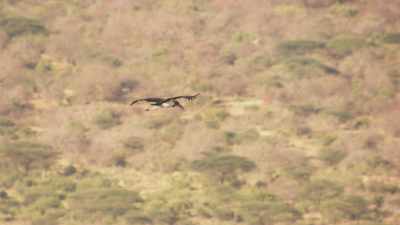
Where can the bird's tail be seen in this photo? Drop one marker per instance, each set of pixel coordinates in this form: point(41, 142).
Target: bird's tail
point(190, 98)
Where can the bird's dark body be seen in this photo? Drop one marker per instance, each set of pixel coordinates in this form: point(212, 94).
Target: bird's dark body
point(166, 102)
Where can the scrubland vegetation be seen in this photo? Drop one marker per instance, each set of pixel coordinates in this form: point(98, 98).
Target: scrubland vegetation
point(297, 123)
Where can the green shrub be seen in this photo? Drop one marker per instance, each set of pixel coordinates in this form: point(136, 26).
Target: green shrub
point(231, 138)
point(43, 203)
point(49, 219)
point(69, 170)
point(314, 63)
point(169, 214)
point(305, 110)
point(117, 62)
point(383, 188)
point(250, 135)
point(344, 10)
point(43, 198)
point(243, 37)
point(220, 150)
point(118, 159)
point(160, 52)
point(259, 212)
point(229, 58)
point(49, 191)
point(134, 144)
point(343, 116)
point(361, 123)
point(8, 176)
point(8, 208)
point(45, 65)
point(392, 38)
point(176, 202)
point(107, 119)
point(351, 207)
point(328, 139)
point(301, 66)
point(331, 156)
point(224, 163)
point(100, 203)
point(303, 130)
point(15, 26)
point(344, 46)
point(27, 156)
point(6, 126)
point(213, 117)
point(136, 217)
point(378, 162)
point(261, 62)
point(321, 190)
point(394, 76)
point(299, 46)
point(256, 206)
point(300, 172)
point(94, 181)
point(213, 124)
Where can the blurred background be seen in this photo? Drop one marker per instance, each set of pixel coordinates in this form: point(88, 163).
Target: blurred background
point(297, 122)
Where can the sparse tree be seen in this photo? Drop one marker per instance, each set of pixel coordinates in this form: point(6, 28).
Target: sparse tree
point(223, 167)
point(27, 156)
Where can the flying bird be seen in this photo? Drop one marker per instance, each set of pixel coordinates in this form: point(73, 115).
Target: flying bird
point(166, 102)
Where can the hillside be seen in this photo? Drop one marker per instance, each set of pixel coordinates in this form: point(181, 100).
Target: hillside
point(297, 122)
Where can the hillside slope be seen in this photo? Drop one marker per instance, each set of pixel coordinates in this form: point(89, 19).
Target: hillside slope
point(297, 121)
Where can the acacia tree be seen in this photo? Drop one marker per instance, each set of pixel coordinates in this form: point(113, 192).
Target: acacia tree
point(26, 156)
point(223, 167)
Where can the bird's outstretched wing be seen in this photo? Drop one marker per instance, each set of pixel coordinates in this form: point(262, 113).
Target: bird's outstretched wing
point(147, 100)
point(187, 97)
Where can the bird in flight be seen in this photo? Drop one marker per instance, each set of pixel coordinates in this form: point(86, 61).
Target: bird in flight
point(166, 102)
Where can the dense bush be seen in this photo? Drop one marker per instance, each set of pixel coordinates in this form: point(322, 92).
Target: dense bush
point(332, 156)
point(305, 110)
point(342, 116)
point(103, 203)
point(321, 190)
point(344, 46)
point(8, 208)
point(7, 126)
point(134, 144)
point(107, 119)
point(300, 171)
point(27, 156)
point(351, 207)
point(392, 38)
point(306, 67)
point(213, 116)
point(299, 46)
point(42, 198)
point(231, 138)
point(262, 212)
point(15, 26)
